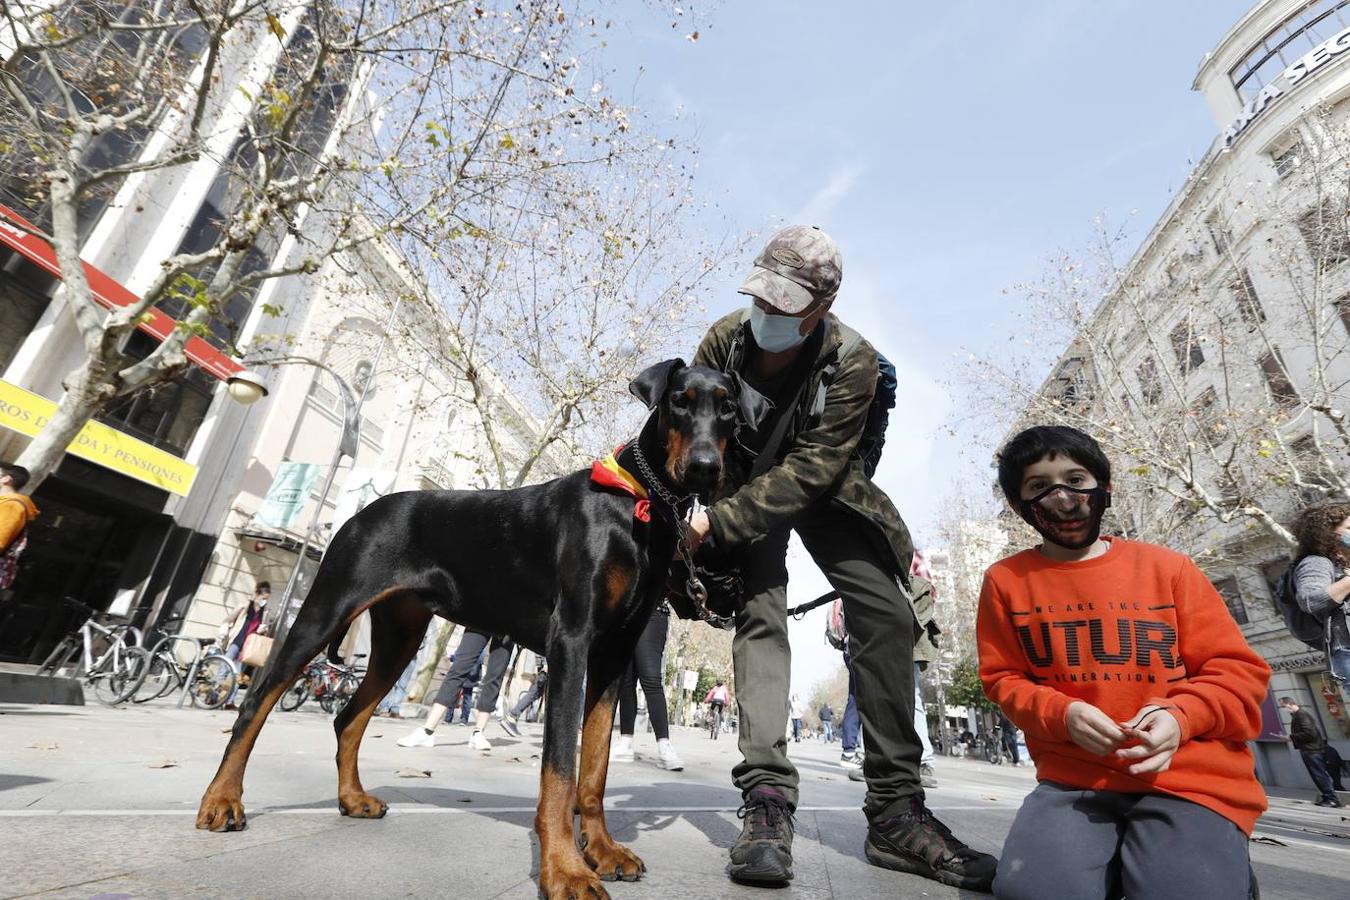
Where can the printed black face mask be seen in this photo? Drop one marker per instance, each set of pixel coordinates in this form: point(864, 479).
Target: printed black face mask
point(1050, 523)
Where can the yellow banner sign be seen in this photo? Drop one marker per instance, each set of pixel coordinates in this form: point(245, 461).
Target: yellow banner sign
point(28, 413)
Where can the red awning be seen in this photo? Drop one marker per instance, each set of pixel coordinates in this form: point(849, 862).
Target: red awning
point(111, 295)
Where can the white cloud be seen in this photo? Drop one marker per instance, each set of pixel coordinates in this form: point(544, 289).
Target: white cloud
point(827, 197)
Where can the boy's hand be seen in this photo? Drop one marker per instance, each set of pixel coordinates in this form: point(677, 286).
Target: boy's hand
point(1092, 729)
point(1159, 736)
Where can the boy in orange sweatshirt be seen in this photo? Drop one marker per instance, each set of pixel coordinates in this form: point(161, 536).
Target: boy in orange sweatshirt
point(1135, 689)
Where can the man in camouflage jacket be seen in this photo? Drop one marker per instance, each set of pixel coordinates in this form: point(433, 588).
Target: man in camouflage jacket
point(823, 376)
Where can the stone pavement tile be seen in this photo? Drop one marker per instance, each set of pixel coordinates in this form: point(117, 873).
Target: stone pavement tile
point(46, 853)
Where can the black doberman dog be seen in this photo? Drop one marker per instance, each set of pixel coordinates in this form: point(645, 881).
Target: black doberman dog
point(566, 568)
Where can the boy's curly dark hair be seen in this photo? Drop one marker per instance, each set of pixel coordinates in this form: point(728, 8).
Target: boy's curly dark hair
point(1315, 529)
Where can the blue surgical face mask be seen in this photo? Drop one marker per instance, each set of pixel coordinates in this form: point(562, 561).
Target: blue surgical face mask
point(1345, 539)
point(775, 333)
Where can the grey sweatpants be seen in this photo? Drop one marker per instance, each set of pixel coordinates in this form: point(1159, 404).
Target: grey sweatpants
point(1091, 845)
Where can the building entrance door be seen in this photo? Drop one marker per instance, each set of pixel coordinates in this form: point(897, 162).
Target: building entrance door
point(80, 548)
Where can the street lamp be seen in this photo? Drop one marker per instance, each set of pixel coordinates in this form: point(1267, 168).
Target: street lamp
point(246, 387)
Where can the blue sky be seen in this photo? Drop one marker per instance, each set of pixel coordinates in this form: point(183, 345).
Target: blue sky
point(948, 148)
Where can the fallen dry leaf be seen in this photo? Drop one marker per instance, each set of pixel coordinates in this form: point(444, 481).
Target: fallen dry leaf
point(991, 797)
point(163, 763)
point(413, 773)
point(44, 745)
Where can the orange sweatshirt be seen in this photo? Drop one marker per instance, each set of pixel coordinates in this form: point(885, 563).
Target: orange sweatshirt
point(16, 511)
point(1138, 625)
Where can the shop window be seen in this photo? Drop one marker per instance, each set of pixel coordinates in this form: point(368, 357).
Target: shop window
point(1248, 304)
point(1150, 384)
point(1271, 573)
point(1287, 160)
point(24, 298)
point(1218, 234)
point(1208, 416)
point(1309, 25)
point(1232, 598)
point(168, 414)
point(1186, 346)
point(1314, 469)
point(1324, 233)
point(1282, 390)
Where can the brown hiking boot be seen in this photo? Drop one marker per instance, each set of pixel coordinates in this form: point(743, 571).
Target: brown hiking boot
point(916, 842)
point(762, 855)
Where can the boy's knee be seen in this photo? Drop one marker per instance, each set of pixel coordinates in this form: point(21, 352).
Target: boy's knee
point(1015, 880)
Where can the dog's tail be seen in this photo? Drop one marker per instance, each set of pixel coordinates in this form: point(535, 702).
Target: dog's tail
point(337, 642)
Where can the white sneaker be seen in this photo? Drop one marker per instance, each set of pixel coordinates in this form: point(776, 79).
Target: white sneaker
point(418, 737)
point(621, 750)
point(670, 760)
point(478, 742)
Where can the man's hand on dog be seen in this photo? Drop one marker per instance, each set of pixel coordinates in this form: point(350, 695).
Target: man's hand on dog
point(699, 526)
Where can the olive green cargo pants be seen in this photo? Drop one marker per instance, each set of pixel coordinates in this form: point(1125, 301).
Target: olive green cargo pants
point(854, 557)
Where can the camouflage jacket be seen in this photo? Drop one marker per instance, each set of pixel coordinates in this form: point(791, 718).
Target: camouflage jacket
point(817, 463)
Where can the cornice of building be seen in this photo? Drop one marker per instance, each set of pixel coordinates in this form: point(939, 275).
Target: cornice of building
point(1223, 50)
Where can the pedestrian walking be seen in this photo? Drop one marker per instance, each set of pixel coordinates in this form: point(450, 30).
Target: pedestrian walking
point(511, 721)
point(645, 668)
point(1141, 751)
point(17, 511)
point(805, 468)
point(471, 647)
point(795, 705)
point(1320, 581)
point(826, 715)
point(1311, 746)
point(247, 619)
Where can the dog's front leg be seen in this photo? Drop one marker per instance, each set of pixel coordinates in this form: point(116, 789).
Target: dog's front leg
point(609, 859)
point(563, 874)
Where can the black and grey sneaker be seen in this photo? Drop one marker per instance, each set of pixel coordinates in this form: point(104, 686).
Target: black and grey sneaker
point(762, 855)
point(510, 726)
point(916, 842)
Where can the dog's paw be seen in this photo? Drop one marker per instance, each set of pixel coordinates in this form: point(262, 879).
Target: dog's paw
point(571, 884)
point(362, 806)
point(221, 811)
point(613, 862)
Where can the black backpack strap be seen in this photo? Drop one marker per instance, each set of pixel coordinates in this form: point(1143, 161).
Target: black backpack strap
point(850, 341)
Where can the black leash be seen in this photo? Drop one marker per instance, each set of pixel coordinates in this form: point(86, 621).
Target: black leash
point(802, 609)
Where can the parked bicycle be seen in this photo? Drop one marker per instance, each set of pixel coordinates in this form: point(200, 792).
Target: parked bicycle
point(329, 683)
point(177, 660)
point(107, 658)
point(991, 746)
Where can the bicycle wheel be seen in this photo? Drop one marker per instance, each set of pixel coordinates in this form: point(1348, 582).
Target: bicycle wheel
point(161, 678)
point(57, 659)
point(295, 695)
point(214, 682)
point(121, 676)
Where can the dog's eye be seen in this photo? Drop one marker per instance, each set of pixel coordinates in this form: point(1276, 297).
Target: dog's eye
point(679, 401)
point(727, 410)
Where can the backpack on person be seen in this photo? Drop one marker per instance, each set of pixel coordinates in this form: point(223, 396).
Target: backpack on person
point(1303, 625)
point(836, 633)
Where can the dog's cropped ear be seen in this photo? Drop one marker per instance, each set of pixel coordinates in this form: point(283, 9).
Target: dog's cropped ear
point(753, 405)
point(651, 383)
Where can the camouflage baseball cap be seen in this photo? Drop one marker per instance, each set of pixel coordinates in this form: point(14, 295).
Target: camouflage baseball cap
point(799, 266)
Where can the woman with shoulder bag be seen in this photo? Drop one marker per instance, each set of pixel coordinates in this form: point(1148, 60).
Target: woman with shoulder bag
point(246, 621)
point(1321, 585)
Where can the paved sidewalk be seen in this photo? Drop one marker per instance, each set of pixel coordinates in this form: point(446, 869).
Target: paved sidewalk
point(86, 811)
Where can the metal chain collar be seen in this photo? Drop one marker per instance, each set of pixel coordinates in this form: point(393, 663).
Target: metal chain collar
point(694, 585)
